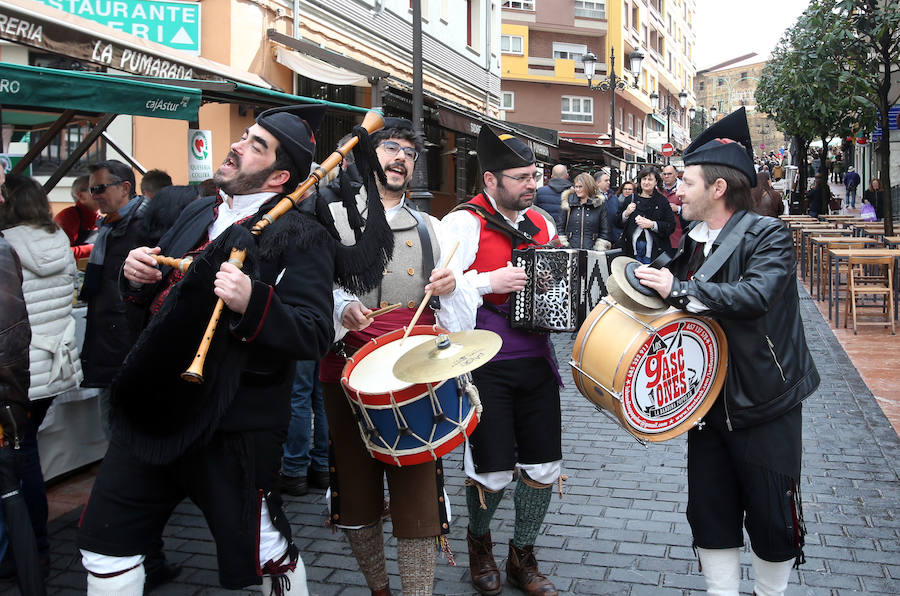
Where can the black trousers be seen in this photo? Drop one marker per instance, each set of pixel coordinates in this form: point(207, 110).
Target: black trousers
point(227, 479)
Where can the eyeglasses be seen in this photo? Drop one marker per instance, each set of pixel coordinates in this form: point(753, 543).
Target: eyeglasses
point(392, 148)
point(99, 189)
point(525, 177)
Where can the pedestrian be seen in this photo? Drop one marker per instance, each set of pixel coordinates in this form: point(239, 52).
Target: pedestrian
point(79, 222)
point(224, 452)
point(549, 196)
point(612, 205)
point(647, 219)
point(744, 462)
point(670, 185)
point(584, 216)
point(818, 196)
point(519, 435)
point(851, 181)
point(765, 199)
point(875, 196)
point(154, 181)
point(418, 512)
point(48, 269)
point(304, 462)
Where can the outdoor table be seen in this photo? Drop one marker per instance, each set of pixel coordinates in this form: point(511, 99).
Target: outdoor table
point(861, 229)
point(810, 239)
point(891, 241)
point(836, 255)
point(823, 241)
point(797, 230)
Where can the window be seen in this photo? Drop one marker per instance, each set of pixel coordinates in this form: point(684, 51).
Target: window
point(569, 51)
point(620, 121)
point(507, 100)
point(469, 17)
point(577, 109)
point(592, 10)
point(511, 44)
point(640, 129)
point(519, 4)
point(635, 21)
point(631, 124)
point(720, 82)
point(701, 86)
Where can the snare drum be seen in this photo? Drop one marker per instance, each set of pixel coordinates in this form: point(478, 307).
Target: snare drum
point(657, 375)
point(402, 423)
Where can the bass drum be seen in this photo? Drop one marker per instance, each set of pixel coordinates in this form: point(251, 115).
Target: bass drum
point(656, 375)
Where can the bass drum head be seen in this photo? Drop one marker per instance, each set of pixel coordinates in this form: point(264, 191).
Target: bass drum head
point(674, 377)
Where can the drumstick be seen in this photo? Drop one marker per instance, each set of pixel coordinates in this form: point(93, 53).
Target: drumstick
point(381, 311)
point(427, 297)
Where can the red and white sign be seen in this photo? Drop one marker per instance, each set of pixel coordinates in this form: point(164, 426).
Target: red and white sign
point(670, 376)
point(667, 149)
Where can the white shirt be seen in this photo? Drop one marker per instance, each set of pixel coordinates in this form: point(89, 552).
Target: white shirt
point(454, 314)
point(702, 233)
point(241, 206)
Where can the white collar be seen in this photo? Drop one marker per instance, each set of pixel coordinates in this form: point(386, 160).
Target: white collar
point(240, 203)
point(520, 215)
point(702, 233)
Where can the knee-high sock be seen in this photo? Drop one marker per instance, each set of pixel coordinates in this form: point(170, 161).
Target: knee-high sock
point(480, 518)
point(292, 583)
point(416, 557)
point(532, 500)
point(722, 570)
point(771, 579)
point(129, 583)
point(367, 545)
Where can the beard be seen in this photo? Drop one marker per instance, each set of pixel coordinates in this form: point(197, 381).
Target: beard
point(243, 182)
point(513, 202)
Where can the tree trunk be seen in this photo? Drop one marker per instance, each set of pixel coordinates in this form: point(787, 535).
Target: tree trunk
point(886, 135)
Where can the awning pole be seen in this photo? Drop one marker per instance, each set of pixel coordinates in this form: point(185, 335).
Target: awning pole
point(45, 140)
point(80, 150)
point(128, 157)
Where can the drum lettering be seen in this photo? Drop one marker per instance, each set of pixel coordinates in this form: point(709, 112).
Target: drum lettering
point(671, 381)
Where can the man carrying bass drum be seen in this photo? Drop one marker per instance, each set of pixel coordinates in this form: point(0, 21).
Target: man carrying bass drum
point(738, 268)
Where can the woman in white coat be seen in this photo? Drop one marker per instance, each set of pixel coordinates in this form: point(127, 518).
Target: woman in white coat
point(48, 270)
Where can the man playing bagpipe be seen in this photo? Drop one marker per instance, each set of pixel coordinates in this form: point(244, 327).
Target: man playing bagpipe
point(219, 442)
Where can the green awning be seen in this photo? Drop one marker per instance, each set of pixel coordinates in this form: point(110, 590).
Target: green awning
point(32, 87)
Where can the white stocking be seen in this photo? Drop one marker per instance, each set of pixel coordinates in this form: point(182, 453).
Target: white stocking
point(130, 583)
point(296, 578)
point(771, 579)
point(722, 570)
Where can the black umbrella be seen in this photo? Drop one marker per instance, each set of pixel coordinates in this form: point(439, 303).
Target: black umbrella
point(18, 525)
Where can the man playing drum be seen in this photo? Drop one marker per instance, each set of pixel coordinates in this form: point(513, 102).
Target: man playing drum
point(417, 499)
point(520, 427)
point(278, 316)
point(744, 460)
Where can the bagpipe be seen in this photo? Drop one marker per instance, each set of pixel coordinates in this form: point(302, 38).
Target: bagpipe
point(160, 408)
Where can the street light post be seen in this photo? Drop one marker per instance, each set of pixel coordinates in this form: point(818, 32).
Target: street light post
point(612, 82)
point(669, 110)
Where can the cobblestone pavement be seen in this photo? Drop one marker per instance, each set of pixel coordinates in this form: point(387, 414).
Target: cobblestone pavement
point(620, 528)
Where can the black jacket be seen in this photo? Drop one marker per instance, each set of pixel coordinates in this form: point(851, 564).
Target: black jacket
point(112, 325)
point(549, 198)
point(655, 208)
point(15, 332)
point(753, 296)
point(584, 224)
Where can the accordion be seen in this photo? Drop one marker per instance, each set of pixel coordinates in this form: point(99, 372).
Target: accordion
point(563, 286)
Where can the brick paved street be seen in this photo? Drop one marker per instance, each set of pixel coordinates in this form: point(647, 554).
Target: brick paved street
point(620, 529)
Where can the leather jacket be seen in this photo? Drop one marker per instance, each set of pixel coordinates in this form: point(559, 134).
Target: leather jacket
point(15, 337)
point(753, 296)
point(584, 224)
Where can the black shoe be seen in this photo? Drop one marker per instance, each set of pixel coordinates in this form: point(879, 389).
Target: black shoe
point(318, 478)
point(294, 485)
point(160, 574)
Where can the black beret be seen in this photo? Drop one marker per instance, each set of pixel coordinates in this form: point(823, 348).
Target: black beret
point(295, 128)
point(392, 122)
point(725, 143)
point(505, 152)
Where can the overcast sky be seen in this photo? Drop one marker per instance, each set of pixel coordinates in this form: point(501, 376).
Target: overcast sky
point(730, 28)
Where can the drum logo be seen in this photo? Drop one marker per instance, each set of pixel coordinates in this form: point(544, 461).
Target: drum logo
point(670, 376)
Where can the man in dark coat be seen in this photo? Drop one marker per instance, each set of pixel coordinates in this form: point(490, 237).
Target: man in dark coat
point(549, 196)
point(738, 268)
point(224, 452)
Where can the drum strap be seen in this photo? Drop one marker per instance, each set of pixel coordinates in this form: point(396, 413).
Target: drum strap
point(427, 251)
point(718, 257)
point(499, 223)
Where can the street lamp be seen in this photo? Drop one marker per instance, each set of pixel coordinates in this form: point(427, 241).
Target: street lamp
point(713, 112)
point(612, 82)
point(669, 110)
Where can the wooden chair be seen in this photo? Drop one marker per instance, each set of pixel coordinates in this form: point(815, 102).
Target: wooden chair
point(870, 276)
point(842, 269)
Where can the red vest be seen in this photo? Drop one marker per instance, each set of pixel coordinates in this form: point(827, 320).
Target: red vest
point(495, 247)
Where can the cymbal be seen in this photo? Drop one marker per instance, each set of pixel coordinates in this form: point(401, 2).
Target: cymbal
point(628, 291)
point(447, 356)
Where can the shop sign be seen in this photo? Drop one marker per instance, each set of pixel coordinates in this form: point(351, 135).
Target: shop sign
point(200, 165)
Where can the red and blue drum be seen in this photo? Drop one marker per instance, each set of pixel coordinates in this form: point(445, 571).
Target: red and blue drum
point(403, 423)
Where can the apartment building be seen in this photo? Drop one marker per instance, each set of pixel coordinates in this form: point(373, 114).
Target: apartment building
point(543, 44)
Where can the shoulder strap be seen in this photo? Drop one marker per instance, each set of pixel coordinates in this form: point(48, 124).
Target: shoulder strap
point(728, 246)
point(497, 222)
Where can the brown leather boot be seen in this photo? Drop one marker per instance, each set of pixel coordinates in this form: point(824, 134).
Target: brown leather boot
point(385, 591)
point(482, 567)
point(522, 572)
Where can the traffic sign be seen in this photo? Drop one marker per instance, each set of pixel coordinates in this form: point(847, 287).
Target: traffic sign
point(168, 22)
point(668, 149)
